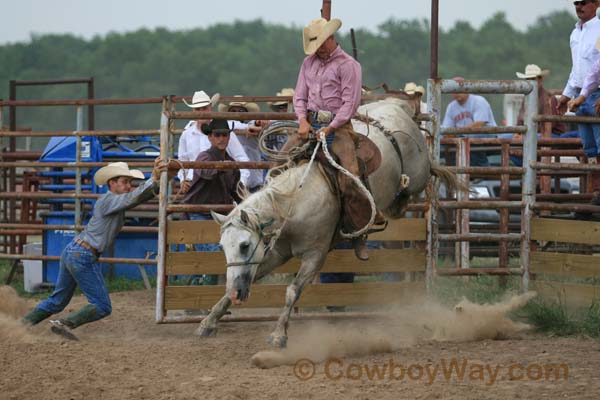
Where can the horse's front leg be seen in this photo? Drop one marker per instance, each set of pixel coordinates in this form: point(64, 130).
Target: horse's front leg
point(311, 264)
point(209, 325)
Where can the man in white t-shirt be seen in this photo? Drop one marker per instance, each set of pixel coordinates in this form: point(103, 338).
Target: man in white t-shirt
point(193, 141)
point(469, 111)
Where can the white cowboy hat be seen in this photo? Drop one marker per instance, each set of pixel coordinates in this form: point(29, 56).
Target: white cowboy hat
point(114, 170)
point(201, 99)
point(533, 71)
point(248, 105)
point(317, 31)
point(284, 92)
point(412, 88)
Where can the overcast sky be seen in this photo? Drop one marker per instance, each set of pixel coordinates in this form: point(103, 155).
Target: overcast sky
point(87, 18)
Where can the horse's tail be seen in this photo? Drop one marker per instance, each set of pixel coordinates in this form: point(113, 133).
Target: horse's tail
point(447, 177)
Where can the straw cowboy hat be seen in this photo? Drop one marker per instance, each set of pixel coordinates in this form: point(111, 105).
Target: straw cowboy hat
point(201, 99)
point(114, 170)
point(317, 31)
point(248, 105)
point(533, 71)
point(284, 92)
point(412, 88)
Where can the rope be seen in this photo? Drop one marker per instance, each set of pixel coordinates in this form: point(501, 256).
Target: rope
point(360, 185)
point(279, 128)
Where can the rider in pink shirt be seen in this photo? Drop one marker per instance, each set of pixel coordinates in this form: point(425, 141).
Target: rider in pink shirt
point(327, 95)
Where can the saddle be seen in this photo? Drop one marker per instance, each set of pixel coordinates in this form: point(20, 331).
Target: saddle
point(367, 154)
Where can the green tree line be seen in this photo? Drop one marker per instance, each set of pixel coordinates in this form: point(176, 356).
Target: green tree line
point(257, 58)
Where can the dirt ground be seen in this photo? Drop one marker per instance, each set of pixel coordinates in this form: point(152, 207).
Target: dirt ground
point(128, 356)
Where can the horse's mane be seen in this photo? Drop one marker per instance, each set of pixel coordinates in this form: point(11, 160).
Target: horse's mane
point(279, 188)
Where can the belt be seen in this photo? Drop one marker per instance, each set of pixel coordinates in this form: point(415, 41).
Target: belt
point(87, 246)
point(319, 117)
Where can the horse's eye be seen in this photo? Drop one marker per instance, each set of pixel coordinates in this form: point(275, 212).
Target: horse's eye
point(220, 246)
point(244, 246)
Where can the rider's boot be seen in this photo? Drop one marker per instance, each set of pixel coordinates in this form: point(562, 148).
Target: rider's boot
point(360, 247)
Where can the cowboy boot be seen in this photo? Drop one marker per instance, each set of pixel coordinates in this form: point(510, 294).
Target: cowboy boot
point(360, 247)
point(84, 315)
point(35, 316)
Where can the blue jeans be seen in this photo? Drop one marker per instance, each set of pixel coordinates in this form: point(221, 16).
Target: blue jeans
point(207, 279)
point(589, 133)
point(78, 266)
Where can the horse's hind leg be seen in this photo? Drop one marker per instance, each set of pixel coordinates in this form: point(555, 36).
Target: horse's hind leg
point(208, 326)
point(310, 266)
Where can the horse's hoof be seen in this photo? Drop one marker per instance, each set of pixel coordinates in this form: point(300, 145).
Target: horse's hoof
point(206, 332)
point(277, 341)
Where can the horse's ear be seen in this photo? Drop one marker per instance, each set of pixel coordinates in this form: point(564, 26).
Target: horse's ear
point(244, 217)
point(219, 218)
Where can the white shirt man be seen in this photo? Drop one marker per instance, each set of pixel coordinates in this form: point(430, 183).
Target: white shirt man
point(583, 54)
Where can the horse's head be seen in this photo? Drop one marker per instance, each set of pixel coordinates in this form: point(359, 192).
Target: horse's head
point(242, 241)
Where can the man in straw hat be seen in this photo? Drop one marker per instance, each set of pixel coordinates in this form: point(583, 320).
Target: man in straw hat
point(247, 133)
point(417, 91)
point(193, 140)
point(547, 104)
point(327, 95)
point(276, 142)
point(79, 259)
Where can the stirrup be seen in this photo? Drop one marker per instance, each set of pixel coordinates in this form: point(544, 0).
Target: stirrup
point(380, 228)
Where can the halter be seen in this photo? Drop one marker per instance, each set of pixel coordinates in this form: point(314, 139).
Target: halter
point(261, 238)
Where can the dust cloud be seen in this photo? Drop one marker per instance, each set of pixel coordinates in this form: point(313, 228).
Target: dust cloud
point(12, 308)
point(406, 325)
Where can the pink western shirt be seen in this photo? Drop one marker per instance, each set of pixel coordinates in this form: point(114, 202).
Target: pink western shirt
point(332, 85)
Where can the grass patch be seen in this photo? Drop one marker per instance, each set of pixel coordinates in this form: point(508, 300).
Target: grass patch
point(556, 318)
point(550, 316)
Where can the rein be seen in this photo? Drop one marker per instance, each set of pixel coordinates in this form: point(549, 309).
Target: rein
point(261, 239)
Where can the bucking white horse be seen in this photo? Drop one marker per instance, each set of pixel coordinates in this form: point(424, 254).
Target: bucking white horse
point(280, 222)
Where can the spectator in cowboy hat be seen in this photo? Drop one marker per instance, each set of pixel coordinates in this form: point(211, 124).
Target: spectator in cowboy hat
point(248, 132)
point(276, 142)
point(211, 186)
point(547, 104)
point(193, 140)
point(79, 260)
point(418, 92)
